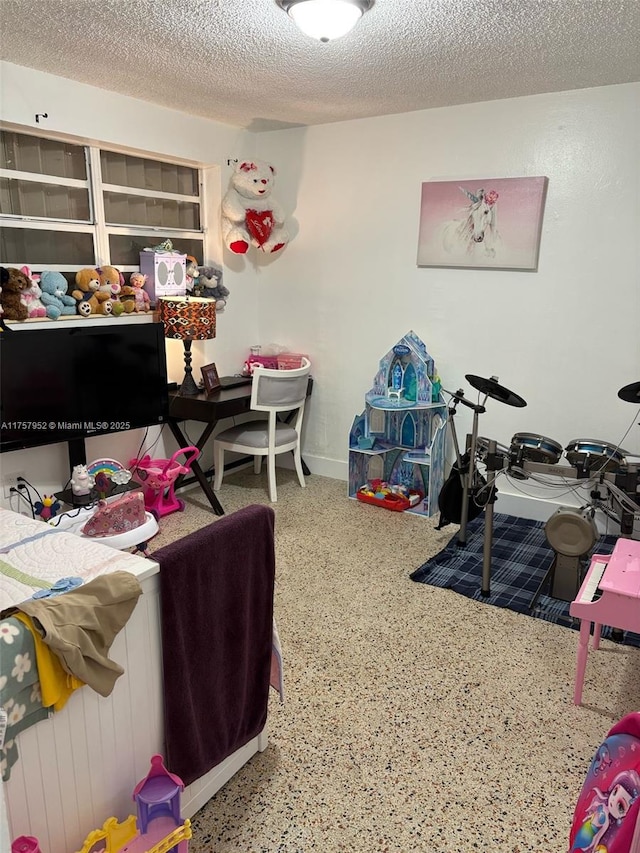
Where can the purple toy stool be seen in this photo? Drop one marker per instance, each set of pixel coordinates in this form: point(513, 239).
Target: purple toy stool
point(158, 795)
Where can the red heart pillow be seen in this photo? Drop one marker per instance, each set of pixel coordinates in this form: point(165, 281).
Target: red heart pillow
point(259, 225)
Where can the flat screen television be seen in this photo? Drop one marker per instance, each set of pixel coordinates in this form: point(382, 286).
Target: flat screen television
point(76, 381)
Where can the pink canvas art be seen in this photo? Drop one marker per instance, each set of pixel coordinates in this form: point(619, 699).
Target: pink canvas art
point(493, 223)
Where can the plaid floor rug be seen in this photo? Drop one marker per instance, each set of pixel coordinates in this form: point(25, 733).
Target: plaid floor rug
point(520, 557)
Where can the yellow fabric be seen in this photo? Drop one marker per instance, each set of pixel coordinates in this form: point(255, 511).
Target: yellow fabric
point(56, 685)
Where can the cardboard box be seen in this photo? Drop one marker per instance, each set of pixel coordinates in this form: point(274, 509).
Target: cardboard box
point(166, 274)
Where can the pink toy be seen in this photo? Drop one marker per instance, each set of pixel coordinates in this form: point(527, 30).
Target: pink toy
point(142, 300)
point(618, 578)
point(158, 828)
point(158, 795)
point(125, 513)
point(606, 818)
point(158, 476)
point(26, 844)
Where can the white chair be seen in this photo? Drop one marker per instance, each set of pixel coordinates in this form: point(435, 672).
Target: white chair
point(272, 391)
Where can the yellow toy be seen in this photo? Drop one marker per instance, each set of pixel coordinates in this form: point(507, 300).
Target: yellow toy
point(125, 838)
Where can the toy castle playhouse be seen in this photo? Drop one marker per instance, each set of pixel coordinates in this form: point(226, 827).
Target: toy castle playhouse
point(397, 445)
point(158, 828)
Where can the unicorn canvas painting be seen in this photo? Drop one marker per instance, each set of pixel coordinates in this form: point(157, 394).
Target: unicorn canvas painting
point(493, 223)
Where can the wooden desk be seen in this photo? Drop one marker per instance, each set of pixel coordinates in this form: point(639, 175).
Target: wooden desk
point(209, 409)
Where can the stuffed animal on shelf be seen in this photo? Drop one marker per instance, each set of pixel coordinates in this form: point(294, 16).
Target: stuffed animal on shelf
point(192, 273)
point(250, 216)
point(209, 285)
point(31, 298)
point(86, 293)
point(14, 283)
point(111, 281)
point(54, 295)
point(128, 298)
point(142, 300)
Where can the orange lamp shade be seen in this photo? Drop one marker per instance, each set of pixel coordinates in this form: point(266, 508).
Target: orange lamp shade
point(189, 318)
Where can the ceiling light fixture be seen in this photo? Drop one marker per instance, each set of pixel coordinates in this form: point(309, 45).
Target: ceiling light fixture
point(325, 20)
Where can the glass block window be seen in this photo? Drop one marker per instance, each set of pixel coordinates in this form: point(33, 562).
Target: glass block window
point(49, 201)
point(45, 249)
point(24, 153)
point(125, 249)
point(127, 171)
point(154, 212)
point(64, 205)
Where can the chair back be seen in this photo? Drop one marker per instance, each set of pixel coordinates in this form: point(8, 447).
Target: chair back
point(280, 390)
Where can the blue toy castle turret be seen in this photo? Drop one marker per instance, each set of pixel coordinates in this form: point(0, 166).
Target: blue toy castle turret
point(399, 439)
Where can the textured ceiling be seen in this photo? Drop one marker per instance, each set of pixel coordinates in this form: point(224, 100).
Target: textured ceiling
point(244, 63)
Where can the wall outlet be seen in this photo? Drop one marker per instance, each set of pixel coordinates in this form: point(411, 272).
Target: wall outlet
point(10, 480)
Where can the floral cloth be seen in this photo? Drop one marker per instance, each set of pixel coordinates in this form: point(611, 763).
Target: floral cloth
point(19, 687)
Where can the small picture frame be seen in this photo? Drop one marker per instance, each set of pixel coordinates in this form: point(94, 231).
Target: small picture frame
point(210, 378)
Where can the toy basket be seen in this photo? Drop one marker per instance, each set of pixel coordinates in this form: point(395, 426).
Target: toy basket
point(290, 360)
point(371, 493)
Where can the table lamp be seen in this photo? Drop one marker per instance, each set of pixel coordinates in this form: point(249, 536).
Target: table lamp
point(189, 318)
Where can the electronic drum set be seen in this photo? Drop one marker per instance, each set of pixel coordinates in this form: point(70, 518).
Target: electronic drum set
point(570, 531)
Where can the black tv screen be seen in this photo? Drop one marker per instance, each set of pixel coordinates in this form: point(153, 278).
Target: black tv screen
point(77, 381)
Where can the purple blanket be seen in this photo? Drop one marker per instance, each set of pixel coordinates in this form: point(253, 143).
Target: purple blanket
point(217, 615)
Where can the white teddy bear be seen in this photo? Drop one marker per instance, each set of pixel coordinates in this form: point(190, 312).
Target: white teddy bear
point(250, 216)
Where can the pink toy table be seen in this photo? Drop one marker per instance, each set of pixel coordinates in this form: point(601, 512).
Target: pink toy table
point(618, 578)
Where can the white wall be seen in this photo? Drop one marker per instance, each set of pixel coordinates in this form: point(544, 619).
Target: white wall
point(94, 115)
point(565, 338)
point(347, 287)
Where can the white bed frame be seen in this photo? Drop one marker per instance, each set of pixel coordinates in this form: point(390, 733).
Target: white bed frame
point(80, 766)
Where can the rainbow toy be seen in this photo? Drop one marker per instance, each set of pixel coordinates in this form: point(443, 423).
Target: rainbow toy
point(113, 469)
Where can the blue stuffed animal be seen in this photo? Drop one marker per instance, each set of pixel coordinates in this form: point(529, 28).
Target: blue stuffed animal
point(54, 295)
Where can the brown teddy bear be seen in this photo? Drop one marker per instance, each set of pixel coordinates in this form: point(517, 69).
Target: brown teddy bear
point(128, 298)
point(89, 299)
point(13, 283)
point(111, 282)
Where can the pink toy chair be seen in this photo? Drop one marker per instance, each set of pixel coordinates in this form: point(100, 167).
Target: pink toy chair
point(157, 478)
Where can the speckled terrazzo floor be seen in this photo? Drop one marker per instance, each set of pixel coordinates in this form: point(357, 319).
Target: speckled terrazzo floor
point(414, 719)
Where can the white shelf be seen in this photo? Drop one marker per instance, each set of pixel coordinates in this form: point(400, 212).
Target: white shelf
point(76, 320)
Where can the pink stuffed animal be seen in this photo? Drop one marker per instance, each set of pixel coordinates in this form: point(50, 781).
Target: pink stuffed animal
point(30, 297)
